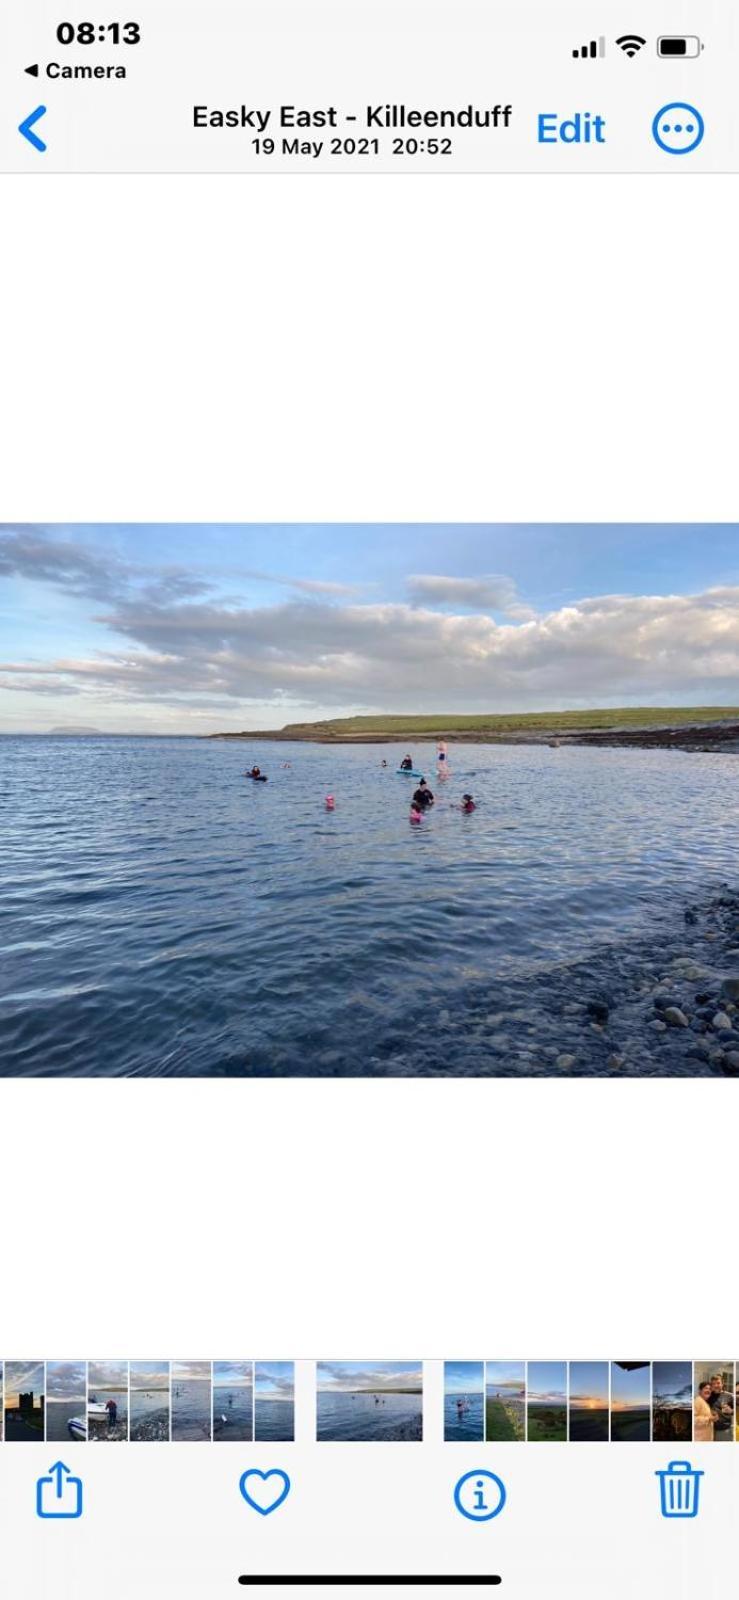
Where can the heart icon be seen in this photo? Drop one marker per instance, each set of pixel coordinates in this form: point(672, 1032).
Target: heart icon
point(264, 1491)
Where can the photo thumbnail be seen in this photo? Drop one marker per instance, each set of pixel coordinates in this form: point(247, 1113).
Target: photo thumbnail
point(464, 1400)
point(589, 1401)
point(370, 800)
point(274, 1400)
point(505, 1400)
point(149, 1401)
point(24, 1392)
point(107, 1401)
point(368, 1400)
point(192, 1401)
point(546, 1402)
point(714, 1405)
point(631, 1401)
point(233, 1401)
point(66, 1401)
point(672, 1401)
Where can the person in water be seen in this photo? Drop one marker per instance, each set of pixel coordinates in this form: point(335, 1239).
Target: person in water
point(416, 814)
point(330, 803)
point(468, 803)
point(255, 773)
point(423, 798)
point(406, 764)
point(111, 1407)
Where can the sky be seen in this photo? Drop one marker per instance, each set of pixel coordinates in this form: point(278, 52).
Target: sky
point(672, 1382)
point(505, 1378)
point(630, 1389)
point(233, 1374)
point(588, 1384)
point(275, 1380)
point(108, 1375)
point(351, 1376)
point(462, 1376)
point(186, 1371)
point(23, 1377)
point(65, 1380)
point(547, 1381)
point(195, 629)
point(149, 1374)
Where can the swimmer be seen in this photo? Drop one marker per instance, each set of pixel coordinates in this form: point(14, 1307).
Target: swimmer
point(415, 815)
point(441, 757)
point(423, 797)
point(384, 763)
point(406, 764)
point(330, 803)
point(255, 773)
point(468, 803)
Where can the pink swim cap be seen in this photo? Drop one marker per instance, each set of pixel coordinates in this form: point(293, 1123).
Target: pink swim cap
point(330, 800)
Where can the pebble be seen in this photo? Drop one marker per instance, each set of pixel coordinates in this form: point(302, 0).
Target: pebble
point(721, 1022)
point(675, 1017)
point(657, 1026)
point(730, 989)
point(731, 1059)
point(565, 1062)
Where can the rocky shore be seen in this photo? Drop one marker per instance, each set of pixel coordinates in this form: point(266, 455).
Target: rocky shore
point(709, 737)
point(636, 1010)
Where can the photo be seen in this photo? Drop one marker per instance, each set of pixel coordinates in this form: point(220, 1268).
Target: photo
point(631, 1401)
point(263, 753)
point(25, 1388)
point(546, 1402)
point(274, 1400)
point(589, 1401)
point(149, 1401)
point(713, 1402)
point(505, 1400)
point(464, 1400)
point(192, 1401)
point(370, 1400)
point(107, 1401)
point(2, 1406)
point(66, 1401)
point(672, 1401)
point(233, 1401)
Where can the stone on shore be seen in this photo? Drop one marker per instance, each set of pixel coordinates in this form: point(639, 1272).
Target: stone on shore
point(675, 1018)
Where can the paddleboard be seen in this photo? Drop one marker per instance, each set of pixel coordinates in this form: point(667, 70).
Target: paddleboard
point(409, 772)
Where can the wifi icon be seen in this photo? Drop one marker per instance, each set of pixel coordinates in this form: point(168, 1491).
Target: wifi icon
point(630, 43)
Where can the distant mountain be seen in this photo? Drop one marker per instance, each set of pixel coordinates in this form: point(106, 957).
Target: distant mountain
point(78, 731)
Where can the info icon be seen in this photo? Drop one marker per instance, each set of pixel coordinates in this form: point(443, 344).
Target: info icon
point(480, 1495)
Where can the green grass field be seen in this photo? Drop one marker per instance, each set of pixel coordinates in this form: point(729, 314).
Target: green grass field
point(504, 1421)
point(547, 1422)
point(406, 727)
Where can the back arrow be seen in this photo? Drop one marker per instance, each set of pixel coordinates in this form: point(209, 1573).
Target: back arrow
point(26, 128)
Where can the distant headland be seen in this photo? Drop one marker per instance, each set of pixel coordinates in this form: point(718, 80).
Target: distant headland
point(677, 727)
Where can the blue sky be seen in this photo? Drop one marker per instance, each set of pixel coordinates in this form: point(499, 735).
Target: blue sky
point(275, 1380)
point(588, 1382)
point(547, 1382)
point(630, 1389)
point(462, 1377)
point(187, 628)
point(505, 1377)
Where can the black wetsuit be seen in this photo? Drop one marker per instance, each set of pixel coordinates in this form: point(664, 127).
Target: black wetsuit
point(423, 798)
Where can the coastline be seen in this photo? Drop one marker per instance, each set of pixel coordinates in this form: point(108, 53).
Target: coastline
point(719, 736)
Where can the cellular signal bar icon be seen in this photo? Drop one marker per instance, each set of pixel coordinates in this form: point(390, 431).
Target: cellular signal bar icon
point(590, 51)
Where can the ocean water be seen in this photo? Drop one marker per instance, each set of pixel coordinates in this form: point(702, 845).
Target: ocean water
point(161, 914)
point(58, 1414)
point(363, 1416)
point(150, 1415)
point(191, 1409)
point(469, 1423)
point(232, 1413)
point(274, 1420)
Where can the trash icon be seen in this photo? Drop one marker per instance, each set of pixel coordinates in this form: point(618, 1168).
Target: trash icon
point(679, 1487)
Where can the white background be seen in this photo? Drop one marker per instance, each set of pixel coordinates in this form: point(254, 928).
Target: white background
point(495, 349)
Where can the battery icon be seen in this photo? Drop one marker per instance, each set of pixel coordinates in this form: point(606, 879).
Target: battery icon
point(679, 46)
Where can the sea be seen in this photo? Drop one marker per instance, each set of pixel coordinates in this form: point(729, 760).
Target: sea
point(99, 1429)
point(162, 914)
point(469, 1423)
point(150, 1414)
point(191, 1409)
point(232, 1413)
point(58, 1414)
point(274, 1420)
point(343, 1416)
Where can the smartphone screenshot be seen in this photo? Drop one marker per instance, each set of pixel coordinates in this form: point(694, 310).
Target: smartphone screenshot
point(369, 748)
